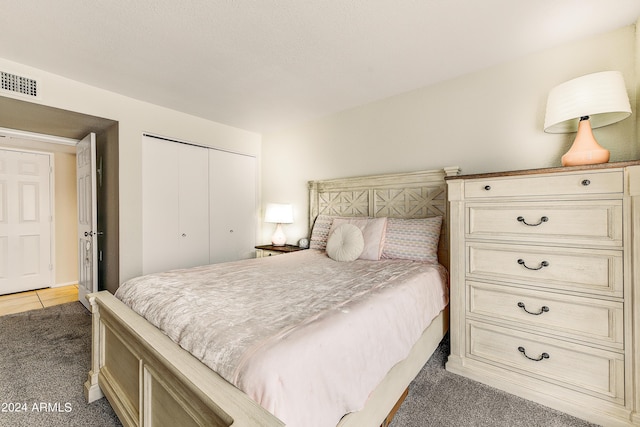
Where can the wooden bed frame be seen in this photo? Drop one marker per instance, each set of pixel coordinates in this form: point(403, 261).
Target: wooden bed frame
point(150, 381)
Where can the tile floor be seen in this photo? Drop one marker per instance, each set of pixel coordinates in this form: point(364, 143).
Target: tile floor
point(41, 298)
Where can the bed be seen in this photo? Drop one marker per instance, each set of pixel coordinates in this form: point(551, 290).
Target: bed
point(151, 380)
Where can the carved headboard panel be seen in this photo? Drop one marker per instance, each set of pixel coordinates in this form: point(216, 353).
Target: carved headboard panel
point(405, 195)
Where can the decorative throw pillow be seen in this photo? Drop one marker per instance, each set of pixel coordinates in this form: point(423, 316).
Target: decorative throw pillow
point(345, 243)
point(320, 232)
point(412, 239)
point(373, 232)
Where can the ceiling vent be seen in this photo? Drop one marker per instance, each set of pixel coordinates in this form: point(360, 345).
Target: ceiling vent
point(13, 84)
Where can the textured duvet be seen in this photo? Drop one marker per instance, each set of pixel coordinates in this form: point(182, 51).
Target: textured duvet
point(305, 336)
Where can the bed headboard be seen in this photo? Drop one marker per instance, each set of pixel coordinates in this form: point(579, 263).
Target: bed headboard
point(403, 195)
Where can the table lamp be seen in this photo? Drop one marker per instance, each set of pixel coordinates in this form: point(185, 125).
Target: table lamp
point(586, 103)
point(278, 213)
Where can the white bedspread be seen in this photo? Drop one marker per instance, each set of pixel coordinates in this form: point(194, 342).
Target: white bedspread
point(307, 337)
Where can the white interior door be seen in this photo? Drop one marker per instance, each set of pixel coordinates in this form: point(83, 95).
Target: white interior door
point(87, 218)
point(194, 206)
point(233, 205)
point(25, 221)
point(175, 205)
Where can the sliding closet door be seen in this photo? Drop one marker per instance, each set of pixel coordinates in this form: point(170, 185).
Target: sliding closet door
point(194, 206)
point(175, 205)
point(233, 201)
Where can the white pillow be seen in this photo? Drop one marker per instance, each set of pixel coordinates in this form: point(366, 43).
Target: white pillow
point(345, 243)
point(373, 231)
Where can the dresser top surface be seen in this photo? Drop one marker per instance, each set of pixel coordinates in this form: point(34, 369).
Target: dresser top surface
point(611, 165)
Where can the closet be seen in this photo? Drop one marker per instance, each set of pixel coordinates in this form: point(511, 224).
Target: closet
point(198, 205)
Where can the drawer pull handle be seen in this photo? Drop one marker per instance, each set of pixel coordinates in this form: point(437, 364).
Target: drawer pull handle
point(487, 187)
point(544, 309)
point(524, 221)
point(542, 264)
point(585, 182)
point(542, 356)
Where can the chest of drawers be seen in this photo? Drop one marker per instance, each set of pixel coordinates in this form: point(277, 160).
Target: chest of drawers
point(545, 301)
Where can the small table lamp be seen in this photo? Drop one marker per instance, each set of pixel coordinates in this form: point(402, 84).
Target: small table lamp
point(278, 213)
point(587, 102)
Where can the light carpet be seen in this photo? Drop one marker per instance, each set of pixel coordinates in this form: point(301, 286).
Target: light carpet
point(45, 356)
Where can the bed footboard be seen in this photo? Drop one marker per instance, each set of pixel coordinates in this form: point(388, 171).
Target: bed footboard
point(149, 380)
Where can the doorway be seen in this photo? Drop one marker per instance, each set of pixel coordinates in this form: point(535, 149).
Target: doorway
point(56, 208)
point(41, 119)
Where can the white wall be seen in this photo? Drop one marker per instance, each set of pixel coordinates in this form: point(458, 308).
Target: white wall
point(135, 118)
point(486, 121)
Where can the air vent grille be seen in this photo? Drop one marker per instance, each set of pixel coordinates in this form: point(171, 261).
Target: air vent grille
point(18, 84)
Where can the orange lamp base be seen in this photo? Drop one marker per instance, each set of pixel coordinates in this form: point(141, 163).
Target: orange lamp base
point(585, 149)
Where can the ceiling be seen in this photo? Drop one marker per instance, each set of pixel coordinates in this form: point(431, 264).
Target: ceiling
point(262, 65)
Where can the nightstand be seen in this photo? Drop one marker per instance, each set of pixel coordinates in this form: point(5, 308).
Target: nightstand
point(270, 250)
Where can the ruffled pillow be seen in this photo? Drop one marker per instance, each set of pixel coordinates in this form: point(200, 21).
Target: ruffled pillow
point(345, 243)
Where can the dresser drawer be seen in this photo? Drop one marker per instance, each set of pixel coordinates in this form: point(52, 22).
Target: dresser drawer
point(582, 368)
point(587, 319)
point(579, 183)
point(579, 222)
point(262, 253)
point(583, 270)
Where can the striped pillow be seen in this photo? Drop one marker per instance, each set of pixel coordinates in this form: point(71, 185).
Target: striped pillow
point(412, 239)
point(320, 232)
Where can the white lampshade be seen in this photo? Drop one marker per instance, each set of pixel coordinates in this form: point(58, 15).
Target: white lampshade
point(279, 213)
point(601, 96)
point(584, 103)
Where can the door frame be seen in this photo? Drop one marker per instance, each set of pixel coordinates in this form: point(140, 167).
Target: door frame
point(50, 120)
point(39, 139)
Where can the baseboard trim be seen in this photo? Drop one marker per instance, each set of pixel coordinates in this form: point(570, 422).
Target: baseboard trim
point(59, 285)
